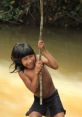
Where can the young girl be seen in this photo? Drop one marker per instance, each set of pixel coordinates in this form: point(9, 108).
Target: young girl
point(28, 66)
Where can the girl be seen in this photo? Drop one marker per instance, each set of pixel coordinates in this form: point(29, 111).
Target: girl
point(28, 66)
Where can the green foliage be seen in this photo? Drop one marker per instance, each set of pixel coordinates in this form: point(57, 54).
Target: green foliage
point(56, 12)
point(9, 12)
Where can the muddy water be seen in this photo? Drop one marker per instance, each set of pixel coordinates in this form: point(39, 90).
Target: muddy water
point(66, 46)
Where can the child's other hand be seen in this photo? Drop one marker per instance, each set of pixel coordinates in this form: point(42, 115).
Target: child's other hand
point(41, 44)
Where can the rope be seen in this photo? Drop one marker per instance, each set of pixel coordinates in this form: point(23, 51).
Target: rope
point(40, 38)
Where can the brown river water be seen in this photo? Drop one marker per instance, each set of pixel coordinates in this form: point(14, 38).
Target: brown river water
point(66, 46)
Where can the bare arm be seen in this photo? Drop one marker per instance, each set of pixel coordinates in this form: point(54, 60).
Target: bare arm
point(49, 59)
point(33, 84)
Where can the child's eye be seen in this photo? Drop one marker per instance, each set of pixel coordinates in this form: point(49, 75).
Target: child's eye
point(25, 58)
point(30, 56)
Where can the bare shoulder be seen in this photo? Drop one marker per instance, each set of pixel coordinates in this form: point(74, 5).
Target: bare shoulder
point(24, 77)
point(22, 74)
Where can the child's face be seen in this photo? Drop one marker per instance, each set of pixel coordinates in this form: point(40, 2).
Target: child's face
point(29, 61)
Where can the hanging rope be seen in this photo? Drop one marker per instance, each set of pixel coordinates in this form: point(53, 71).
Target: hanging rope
point(41, 20)
point(40, 38)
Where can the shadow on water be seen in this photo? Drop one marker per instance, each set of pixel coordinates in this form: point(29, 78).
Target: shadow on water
point(66, 46)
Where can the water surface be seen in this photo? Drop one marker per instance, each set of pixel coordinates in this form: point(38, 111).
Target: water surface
point(66, 47)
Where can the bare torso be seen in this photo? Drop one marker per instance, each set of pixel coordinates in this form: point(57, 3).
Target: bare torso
point(48, 86)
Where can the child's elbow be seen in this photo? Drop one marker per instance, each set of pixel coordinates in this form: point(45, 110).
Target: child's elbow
point(34, 90)
point(56, 66)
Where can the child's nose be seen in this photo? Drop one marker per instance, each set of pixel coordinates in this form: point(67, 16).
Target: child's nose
point(30, 60)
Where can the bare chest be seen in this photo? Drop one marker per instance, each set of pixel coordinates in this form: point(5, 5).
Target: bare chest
point(45, 75)
point(47, 83)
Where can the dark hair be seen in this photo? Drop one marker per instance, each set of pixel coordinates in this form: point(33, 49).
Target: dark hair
point(19, 51)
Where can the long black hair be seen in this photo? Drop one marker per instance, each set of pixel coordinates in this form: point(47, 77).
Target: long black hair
point(19, 51)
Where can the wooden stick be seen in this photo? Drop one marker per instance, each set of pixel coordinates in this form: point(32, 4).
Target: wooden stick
point(40, 38)
point(41, 20)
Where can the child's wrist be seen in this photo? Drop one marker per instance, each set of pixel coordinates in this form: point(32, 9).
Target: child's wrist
point(43, 50)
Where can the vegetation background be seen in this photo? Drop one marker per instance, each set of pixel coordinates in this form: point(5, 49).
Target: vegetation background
point(58, 13)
